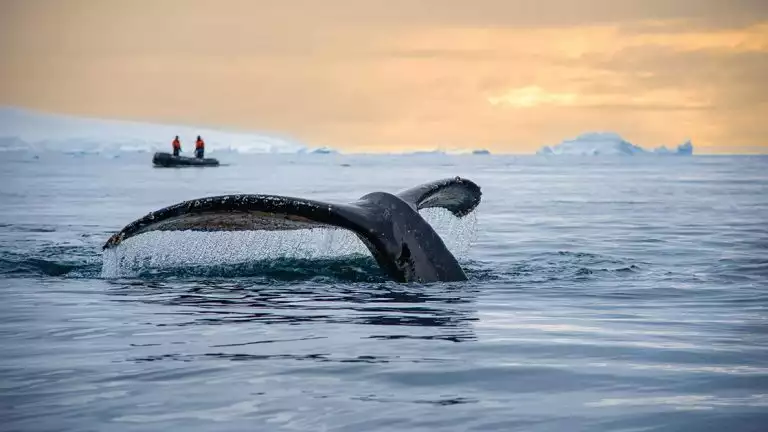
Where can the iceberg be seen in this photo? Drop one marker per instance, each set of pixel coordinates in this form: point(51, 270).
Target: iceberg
point(426, 153)
point(24, 130)
point(685, 149)
point(319, 150)
point(608, 144)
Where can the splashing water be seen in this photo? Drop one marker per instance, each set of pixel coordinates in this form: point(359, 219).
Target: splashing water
point(458, 234)
point(173, 249)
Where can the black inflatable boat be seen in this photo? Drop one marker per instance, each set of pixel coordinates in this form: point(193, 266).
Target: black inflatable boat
point(167, 160)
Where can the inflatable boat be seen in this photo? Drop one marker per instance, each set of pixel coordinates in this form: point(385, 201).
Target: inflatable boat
point(167, 160)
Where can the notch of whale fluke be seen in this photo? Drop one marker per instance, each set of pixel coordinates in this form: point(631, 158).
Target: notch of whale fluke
point(401, 241)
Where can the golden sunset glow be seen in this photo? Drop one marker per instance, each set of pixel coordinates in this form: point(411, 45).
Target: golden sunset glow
point(506, 75)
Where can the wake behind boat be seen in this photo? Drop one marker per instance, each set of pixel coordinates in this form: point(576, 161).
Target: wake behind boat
point(167, 160)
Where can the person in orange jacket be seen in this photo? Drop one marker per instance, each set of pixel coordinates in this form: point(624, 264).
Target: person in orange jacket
point(199, 148)
point(176, 146)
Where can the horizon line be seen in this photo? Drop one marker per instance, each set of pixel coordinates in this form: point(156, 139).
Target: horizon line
point(449, 151)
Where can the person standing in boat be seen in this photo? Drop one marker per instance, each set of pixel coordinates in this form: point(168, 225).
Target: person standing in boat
point(199, 148)
point(176, 146)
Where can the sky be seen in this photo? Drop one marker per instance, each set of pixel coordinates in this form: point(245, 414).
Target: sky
point(396, 75)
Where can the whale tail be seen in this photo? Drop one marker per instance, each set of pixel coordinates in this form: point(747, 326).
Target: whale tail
point(400, 240)
point(457, 195)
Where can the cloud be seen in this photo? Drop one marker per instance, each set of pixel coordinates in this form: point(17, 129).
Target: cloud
point(532, 96)
point(654, 99)
point(508, 75)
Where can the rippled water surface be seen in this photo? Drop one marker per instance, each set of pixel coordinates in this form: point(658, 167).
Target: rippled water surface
point(624, 294)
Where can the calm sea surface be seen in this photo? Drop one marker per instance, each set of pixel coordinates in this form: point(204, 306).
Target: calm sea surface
point(605, 294)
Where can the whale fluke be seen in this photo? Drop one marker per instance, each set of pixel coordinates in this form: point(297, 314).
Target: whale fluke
point(457, 195)
point(401, 241)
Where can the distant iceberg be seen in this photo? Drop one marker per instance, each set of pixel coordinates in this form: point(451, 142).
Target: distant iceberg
point(426, 153)
point(685, 149)
point(23, 130)
point(447, 152)
point(320, 150)
point(608, 144)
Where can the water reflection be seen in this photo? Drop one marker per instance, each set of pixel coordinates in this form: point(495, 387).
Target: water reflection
point(368, 311)
point(389, 304)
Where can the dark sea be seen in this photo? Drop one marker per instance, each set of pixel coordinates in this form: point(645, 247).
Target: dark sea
point(604, 294)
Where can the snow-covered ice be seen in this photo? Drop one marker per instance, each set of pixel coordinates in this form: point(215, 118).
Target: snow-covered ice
point(28, 130)
point(608, 143)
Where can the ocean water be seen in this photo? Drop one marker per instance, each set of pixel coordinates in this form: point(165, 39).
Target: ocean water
point(605, 294)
